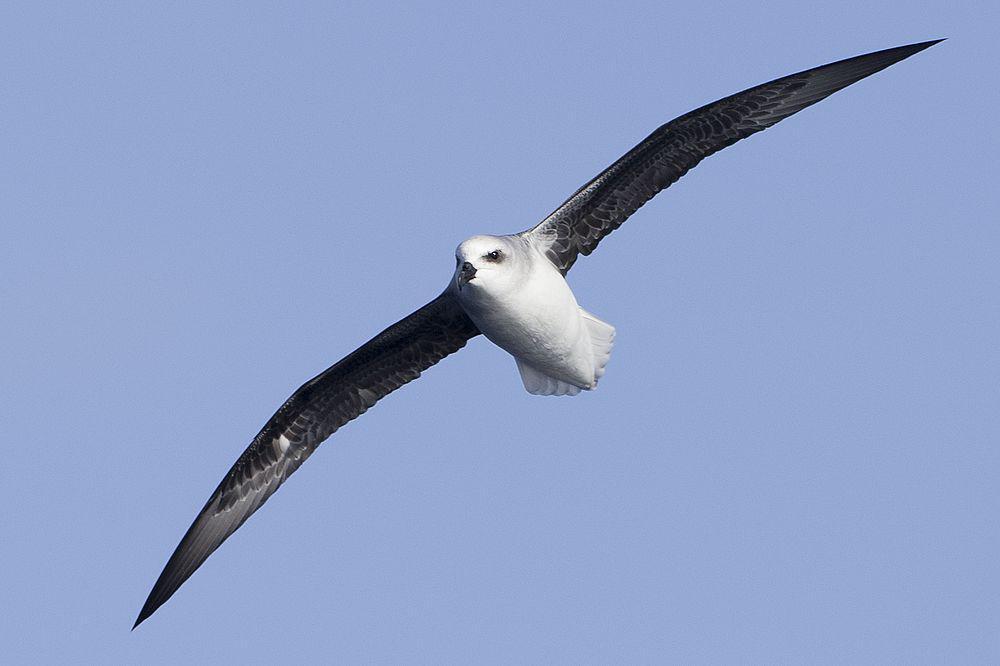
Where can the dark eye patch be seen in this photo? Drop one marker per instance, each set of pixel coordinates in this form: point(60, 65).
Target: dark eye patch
point(495, 256)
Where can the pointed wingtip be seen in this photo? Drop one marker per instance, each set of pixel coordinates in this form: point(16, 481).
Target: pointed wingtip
point(146, 611)
point(907, 50)
point(920, 46)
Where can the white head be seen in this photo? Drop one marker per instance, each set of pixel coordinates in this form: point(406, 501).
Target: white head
point(488, 265)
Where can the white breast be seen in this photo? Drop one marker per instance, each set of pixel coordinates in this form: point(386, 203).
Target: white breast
point(539, 323)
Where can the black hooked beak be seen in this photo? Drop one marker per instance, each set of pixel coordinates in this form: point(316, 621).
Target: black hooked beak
point(467, 274)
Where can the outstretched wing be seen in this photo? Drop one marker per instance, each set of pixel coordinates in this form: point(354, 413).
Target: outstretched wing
point(603, 204)
point(341, 393)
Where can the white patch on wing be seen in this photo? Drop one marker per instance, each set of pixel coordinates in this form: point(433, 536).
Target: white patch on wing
point(283, 444)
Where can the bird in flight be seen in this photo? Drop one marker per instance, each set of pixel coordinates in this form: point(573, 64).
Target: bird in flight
point(513, 290)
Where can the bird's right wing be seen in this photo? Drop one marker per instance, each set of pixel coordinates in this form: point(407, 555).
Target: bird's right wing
point(603, 204)
point(315, 411)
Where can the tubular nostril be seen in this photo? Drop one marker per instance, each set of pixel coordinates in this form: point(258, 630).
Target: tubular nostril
point(467, 267)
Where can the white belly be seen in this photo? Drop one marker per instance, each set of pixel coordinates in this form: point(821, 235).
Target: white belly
point(540, 324)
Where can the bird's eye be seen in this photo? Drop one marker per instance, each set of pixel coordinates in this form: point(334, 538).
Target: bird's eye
point(495, 255)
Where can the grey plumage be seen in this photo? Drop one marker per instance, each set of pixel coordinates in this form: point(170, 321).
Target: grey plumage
point(659, 160)
point(400, 353)
point(315, 411)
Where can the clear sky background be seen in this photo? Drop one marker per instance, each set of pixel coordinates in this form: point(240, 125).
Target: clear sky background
point(793, 456)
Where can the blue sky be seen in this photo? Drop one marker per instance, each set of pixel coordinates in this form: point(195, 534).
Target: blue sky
point(793, 456)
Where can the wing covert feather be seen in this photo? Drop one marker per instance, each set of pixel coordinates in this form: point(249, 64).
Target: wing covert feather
point(401, 352)
point(659, 160)
point(315, 411)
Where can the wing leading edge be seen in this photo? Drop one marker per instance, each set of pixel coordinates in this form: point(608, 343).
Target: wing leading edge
point(401, 352)
point(659, 160)
point(315, 411)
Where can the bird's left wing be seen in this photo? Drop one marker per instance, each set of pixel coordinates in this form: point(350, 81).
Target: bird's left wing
point(315, 411)
point(603, 204)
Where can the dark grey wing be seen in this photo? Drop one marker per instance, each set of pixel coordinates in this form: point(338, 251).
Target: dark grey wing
point(603, 204)
point(341, 393)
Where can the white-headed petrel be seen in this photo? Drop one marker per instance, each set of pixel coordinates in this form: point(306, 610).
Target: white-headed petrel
point(513, 290)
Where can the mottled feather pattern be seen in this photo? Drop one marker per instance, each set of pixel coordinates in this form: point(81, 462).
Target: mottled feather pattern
point(345, 391)
point(401, 352)
point(338, 395)
point(603, 204)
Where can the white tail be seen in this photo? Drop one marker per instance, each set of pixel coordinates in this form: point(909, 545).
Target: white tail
point(602, 339)
point(538, 383)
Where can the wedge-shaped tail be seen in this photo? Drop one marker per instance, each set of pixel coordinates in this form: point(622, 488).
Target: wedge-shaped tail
point(602, 339)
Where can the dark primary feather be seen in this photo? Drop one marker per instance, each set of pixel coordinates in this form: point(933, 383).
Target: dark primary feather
point(315, 411)
point(401, 352)
point(603, 204)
